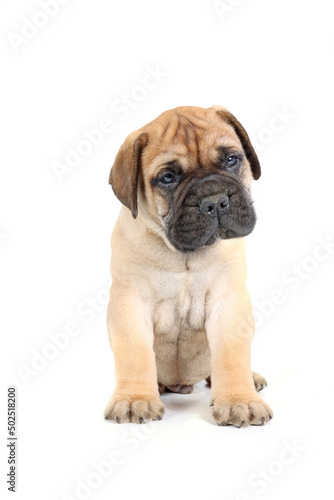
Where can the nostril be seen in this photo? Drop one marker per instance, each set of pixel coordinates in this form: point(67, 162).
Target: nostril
point(223, 202)
point(208, 207)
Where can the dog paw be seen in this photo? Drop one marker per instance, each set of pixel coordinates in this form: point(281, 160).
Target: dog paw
point(180, 389)
point(241, 412)
point(259, 382)
point(136, 409)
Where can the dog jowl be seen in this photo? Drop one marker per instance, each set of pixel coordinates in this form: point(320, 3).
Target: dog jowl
point(179, 308)
point(204, 209)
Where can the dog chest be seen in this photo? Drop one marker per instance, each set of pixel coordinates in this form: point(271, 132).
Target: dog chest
point(181, 305)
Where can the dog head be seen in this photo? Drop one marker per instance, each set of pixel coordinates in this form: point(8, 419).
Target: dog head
point(189, 172)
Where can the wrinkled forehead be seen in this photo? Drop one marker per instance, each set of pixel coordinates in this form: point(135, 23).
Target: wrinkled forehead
point(192, 139)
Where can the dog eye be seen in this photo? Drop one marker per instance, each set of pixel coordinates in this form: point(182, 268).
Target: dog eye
point(232, 161)
point(168, 178)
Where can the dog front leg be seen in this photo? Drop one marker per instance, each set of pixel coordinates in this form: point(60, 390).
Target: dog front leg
point(136, 396)
point(230, 328)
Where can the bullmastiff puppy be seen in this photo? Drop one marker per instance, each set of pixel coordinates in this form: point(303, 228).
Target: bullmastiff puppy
point(179, 308)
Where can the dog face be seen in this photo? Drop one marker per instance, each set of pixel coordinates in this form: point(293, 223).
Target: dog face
point(189, 172)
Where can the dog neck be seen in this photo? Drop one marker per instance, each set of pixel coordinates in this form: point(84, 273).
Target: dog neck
point(143, 234)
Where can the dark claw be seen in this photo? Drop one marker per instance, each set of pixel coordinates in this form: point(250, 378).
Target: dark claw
point(211, 404)
point(242, 423)
point(262, 420)
point(117, 420)
point(270, 417)
point(159, 417)
point(141, 420)
point(262, 386)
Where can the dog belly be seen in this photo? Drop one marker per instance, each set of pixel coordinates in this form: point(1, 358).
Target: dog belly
point(182, 359)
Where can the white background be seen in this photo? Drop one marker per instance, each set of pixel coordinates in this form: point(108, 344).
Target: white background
point(257, 58)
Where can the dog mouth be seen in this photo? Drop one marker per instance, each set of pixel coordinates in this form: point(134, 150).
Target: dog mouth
point(212, 213)
point(186, 243)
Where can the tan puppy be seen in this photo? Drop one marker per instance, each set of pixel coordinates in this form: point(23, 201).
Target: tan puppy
point(179, 308)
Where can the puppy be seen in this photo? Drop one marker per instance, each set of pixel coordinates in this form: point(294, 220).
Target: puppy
point(179, 309)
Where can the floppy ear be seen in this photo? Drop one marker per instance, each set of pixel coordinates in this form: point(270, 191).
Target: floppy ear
point(244, 139)
point(124, 173)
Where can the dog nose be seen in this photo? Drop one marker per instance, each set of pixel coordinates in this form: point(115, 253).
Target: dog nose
point(215, 207)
